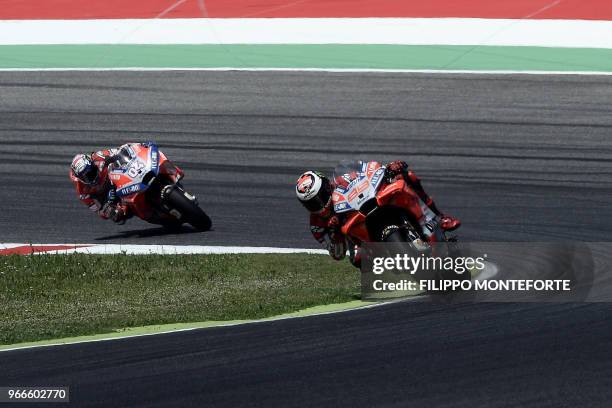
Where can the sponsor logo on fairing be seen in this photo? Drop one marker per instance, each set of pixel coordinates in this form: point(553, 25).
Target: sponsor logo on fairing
point(129, 189)
point(341, 206)
point(376, 177)
point(372, 166)
point(340, 190)
point(357, 190)
point(154, 158)
point(354, 181)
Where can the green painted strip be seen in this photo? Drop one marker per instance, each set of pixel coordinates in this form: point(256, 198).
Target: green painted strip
point(307, 56)
point(156, 329)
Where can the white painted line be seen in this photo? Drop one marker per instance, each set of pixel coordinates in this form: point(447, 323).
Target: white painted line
point(274, 319)
point(162, 249)
point(338, 70)
point(184, 250)
point(8, 246)
point(406, 31)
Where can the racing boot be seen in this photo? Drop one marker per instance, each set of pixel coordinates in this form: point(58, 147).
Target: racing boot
point(355, 255)
point(449, 223)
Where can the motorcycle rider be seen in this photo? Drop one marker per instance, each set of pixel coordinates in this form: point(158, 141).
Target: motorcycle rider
point(314, 190)
point(89, 173)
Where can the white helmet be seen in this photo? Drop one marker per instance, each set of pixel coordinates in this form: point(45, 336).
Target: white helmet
point(314, 191)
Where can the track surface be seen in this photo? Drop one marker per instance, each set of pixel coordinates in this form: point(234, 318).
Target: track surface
point(402, 355)
point(517, 158)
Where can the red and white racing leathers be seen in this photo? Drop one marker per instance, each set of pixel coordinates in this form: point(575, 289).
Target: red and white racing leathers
point(95, 196)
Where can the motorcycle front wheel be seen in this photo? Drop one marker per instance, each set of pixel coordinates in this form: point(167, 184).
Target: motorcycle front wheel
point(190, 211)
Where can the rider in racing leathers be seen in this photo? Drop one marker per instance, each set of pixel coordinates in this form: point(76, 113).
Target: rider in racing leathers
point(314, 191)
point(89, 173)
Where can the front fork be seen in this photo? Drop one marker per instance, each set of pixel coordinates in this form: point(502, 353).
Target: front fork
point(432, 231)
point(165, 192)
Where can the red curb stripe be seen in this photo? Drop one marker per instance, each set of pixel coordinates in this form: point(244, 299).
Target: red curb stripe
point(34, 249)
point(111, 9)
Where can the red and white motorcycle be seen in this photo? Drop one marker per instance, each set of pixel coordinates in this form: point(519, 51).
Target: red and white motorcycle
point(148, 184)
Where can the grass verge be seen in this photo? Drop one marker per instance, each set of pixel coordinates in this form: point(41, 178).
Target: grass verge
point(56, 296)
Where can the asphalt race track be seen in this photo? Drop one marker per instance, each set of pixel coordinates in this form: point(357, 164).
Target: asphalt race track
point(402, 355)
point(516, 157)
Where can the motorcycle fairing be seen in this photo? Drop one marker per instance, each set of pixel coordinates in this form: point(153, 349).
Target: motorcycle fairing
point(365, 181)
point(136, 170)
point(397, 194)
point(143, 162)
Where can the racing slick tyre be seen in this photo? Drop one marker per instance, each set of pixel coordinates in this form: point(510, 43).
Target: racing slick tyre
point(189, 209)
point(402, 236)
point(406, 237)
point(395, 234)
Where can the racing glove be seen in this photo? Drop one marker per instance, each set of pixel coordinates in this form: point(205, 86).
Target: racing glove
point(114, 212)
point(333, 228)
point(337, 243)
point(395, 168)
point(111, 196)
point(118, 215)
point(333, 223)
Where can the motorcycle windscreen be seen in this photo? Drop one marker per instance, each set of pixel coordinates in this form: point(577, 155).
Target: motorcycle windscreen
point(136, 167)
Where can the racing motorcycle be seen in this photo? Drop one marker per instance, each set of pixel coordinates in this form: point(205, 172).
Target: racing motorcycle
point(374, 211)
point(149, 185)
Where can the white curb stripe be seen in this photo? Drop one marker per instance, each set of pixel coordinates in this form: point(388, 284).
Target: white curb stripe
point(8, 246)
point(406, 31)
point(338, 70)
point(165, 249)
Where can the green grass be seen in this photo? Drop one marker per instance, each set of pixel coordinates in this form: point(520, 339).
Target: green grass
point(55, 296)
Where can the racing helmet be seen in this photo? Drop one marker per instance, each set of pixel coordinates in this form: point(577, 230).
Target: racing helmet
point(314, 190)
point(84, 169)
